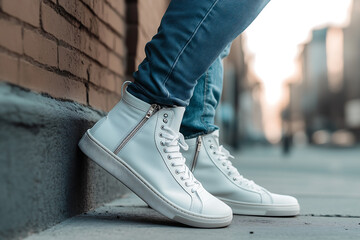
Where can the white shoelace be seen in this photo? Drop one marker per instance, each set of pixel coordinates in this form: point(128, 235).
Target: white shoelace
point(172, 143)
point(223, 156)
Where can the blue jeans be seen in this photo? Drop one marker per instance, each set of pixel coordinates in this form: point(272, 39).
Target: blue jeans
point(199, 115)
point(191, 37)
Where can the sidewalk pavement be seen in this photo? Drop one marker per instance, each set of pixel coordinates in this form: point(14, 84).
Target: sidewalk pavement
point(325, 181)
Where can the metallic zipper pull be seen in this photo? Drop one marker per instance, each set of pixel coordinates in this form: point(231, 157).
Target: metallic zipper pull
point(198, 146)
point(152, 110)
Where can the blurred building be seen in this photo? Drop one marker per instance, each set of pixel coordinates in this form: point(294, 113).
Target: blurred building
point(352, 71)
point(239, 114)
point(317, 100)
point(327, 96)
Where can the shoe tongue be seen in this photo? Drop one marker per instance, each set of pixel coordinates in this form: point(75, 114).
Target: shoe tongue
point(177, 119)
point(215, 135)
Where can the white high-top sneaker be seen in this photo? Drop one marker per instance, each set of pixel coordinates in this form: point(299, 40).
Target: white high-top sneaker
point(139, 144)
point(210, 164)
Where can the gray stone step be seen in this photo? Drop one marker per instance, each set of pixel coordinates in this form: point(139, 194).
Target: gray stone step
point(130, 218)
point(44, 178)
point(325, 181)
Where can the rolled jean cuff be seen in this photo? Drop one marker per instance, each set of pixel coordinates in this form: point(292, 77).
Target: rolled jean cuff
point(200, 133)
point(138, 91)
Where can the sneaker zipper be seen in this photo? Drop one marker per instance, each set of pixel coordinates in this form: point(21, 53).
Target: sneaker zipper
point(152, 110)
point(198, 145)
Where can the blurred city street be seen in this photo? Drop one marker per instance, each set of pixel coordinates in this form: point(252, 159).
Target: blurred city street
point(326, 182)
point(290, 83)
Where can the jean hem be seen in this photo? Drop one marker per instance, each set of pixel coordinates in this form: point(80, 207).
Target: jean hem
point(141, 93)
point(194, 135)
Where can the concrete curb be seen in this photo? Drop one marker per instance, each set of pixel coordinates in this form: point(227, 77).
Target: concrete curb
point(44, 178)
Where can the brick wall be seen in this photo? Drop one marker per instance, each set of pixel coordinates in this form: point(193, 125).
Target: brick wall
point(75, 49)
point(143, 19)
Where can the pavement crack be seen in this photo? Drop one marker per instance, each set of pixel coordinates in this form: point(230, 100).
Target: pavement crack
point(329, 215)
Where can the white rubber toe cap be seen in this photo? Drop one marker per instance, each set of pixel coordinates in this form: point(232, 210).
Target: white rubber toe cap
point(284, 199)
point(213, 207)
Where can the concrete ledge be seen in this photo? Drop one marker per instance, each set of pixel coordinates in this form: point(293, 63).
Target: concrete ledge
point(44, 178)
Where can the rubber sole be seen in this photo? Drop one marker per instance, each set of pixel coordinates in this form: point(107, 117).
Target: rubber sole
point(263, 210)
point(124, 173)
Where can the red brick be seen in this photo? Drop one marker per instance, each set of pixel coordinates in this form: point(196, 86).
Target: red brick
point(27, 11)
point(8, 68)
point(90, 3)
point(73, 62)
point(10, 36)
point(63, 30)
point(111, 40)
point(97, 98)
point(108, 15)
point(41, 80)
point(102, 57)
point(102, 100)
point(97, 51)
point(40, 48)
point(116, 64)
point(118, 5)
point(114, 20)
point(94, 26)
point(81, 13)
point(102, 77)
point(119, 46)
point(108, 81)
point(96, 74)
point(111, 100)
point(98, 7)
point(56, 25)
point(106, 35)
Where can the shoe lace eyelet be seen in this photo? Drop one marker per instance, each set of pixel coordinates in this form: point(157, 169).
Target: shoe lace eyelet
point(165, 120)
point(160, 135)
point(182, 178)
point(186, 184)
point(165, 115)
point(224, 164)
point(234, 178)
point(162, 143)
point(162, 127)
point(177, 171)
point(192, 190)
point(173, 164)
point(214, 153)
point(169, 157)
